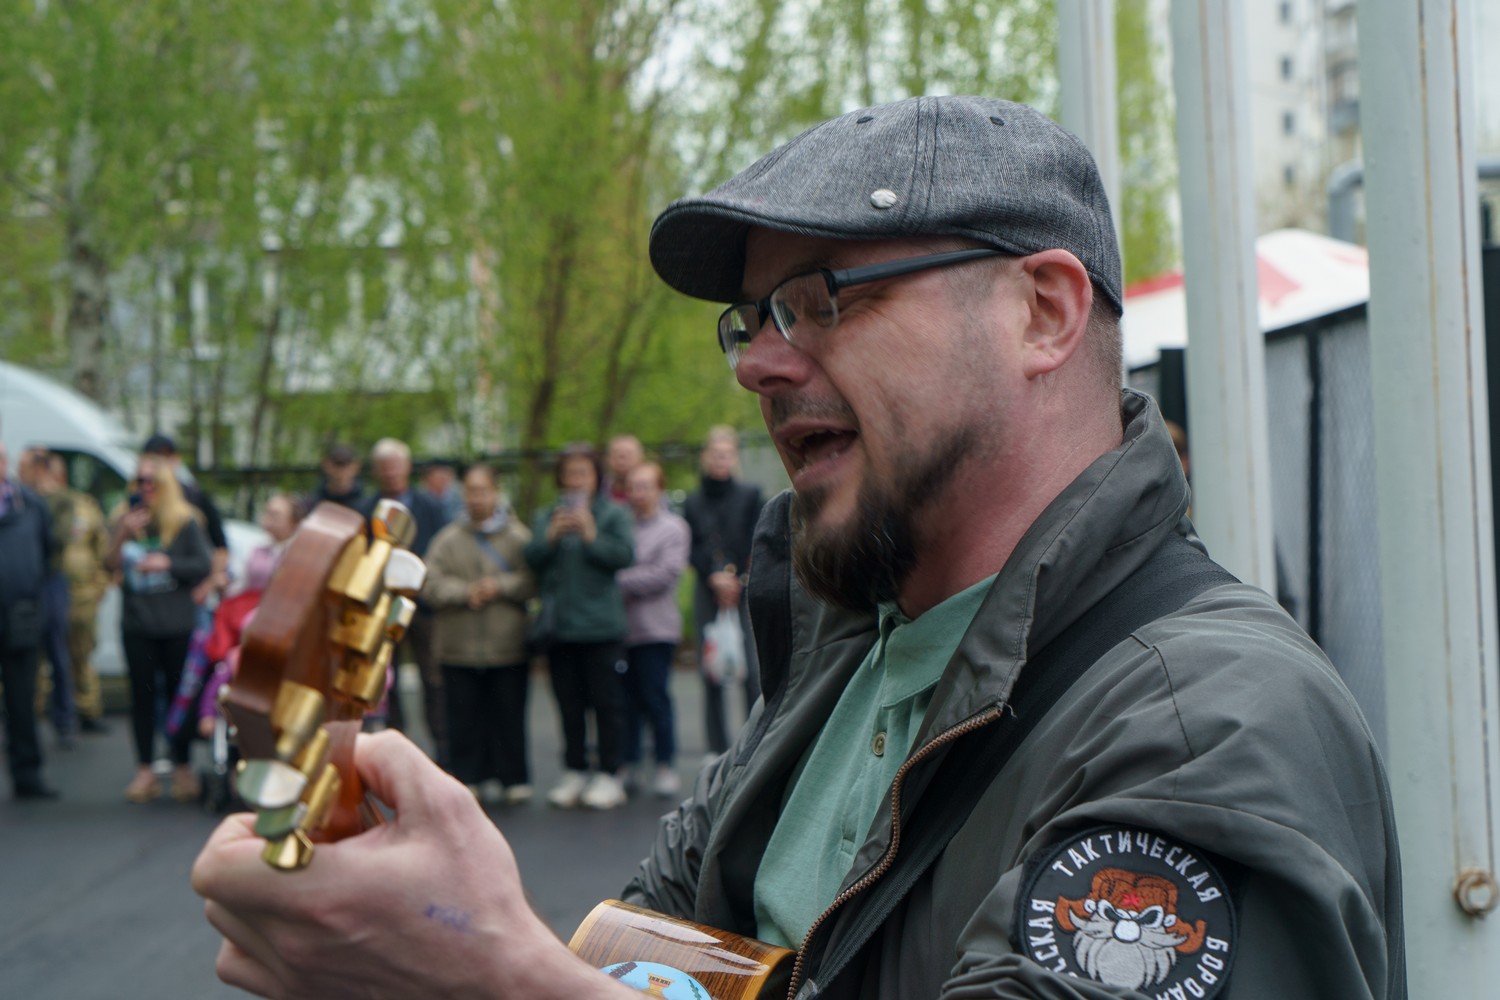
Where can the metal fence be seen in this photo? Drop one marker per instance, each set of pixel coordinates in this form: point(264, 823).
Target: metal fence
point(1321, 429)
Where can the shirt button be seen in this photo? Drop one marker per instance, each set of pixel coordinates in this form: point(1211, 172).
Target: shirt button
point(879, 745)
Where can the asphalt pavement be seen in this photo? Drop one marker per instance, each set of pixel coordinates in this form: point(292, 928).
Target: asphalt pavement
point(94, 893)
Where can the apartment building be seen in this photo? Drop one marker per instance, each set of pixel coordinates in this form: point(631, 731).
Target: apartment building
point(1304, 65)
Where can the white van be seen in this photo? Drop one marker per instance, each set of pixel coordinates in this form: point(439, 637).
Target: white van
point(101, 457)
point(37, 410)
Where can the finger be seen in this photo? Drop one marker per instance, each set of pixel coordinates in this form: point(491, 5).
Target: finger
point(246, 938)
point(403, 777)
point(239, 970)
point(232, 843)
point(231, 871)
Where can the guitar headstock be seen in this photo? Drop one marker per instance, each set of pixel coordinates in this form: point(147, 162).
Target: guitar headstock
point(313, 661)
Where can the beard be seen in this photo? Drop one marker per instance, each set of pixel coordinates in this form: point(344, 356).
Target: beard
point(864, 562)
point(1137, 965)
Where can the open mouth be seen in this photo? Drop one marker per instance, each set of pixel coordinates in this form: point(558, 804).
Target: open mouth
point(820, 446)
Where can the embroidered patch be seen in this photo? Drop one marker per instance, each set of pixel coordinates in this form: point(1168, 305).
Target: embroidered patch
point(1129, 908)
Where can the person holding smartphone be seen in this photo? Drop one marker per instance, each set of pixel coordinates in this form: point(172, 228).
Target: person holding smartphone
point(159, 550)
point(577, 546)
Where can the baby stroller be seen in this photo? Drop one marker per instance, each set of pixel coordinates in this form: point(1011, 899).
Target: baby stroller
point(222, 650)
point(219, 796)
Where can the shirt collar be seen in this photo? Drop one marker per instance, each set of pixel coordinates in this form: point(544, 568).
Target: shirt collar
point(914, 651)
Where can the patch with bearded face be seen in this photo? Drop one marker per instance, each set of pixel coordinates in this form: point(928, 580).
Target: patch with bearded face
point(1129, 908)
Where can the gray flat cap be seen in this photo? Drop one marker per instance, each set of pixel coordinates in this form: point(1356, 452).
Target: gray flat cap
point(990, 170)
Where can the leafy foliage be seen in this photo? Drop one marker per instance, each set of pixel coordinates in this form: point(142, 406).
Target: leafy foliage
point(1148, 155)
point(277, 224)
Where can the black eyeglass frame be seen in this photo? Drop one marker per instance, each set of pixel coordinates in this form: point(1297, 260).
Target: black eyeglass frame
point(836, 280)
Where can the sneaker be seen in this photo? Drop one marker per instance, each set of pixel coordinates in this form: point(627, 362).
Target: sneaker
point(567, 792)
point(667, 784)
point(93, 727)
point(605, 791)
point(491, 793)
point(515, 795)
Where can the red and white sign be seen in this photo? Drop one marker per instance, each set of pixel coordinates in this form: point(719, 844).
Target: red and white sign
point(1302, 276)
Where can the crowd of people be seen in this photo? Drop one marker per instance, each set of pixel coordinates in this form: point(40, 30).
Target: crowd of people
point(591, 587)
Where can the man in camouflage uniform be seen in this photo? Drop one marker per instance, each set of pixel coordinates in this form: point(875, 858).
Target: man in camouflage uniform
point(78, 582)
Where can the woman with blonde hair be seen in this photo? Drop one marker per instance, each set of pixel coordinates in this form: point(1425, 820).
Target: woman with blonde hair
point(159, 552)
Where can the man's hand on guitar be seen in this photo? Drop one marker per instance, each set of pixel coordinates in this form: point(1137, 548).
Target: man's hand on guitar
point(428, 904)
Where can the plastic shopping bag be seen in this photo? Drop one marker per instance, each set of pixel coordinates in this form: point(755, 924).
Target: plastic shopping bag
point(724, 648)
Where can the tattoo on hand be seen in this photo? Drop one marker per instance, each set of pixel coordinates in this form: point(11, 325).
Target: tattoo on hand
point(448, 916)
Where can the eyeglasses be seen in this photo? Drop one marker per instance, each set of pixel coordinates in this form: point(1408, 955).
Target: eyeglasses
point(814, 298)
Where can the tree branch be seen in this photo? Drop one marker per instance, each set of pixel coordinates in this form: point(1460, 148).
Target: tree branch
point(44, 198)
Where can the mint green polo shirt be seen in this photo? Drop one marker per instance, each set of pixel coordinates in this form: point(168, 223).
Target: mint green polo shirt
point(839, 783)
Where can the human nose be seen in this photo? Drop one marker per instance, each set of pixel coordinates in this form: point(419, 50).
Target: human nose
point(770, 361)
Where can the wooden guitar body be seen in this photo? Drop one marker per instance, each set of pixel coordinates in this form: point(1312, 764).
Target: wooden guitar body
point(674, 958)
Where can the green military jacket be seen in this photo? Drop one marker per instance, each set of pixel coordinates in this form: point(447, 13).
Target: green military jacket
point(82, 541)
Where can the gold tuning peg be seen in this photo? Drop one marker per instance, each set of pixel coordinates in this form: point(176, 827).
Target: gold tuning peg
point(392, 522)
point(314, 756)
point(288, 846)
point(276, 787)
point(297, 716)
point(361, 630)
point(362, 679)
point(267, 784)
point(288, 853)
point(350, 559)
point(403, 610)
point(366, 583)
point(405, 573)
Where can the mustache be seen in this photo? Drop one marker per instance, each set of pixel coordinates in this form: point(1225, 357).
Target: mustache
point(785, 408)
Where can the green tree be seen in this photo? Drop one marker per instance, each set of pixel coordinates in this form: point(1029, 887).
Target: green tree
point(793, 64)
point(1148, 152)
point(428, 218)
point(102, 106)
point(555, 114)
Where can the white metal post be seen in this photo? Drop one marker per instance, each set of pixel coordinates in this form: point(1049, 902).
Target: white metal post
point(1427, 361)
point(1226, 371)
point(1087, 76)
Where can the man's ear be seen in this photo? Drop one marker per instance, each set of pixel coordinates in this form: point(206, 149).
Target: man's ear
point(1061, 297)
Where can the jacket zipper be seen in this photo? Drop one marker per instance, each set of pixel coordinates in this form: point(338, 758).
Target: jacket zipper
point(888, 858)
